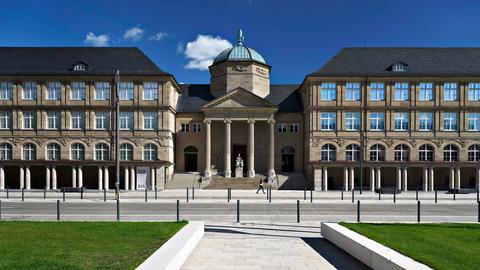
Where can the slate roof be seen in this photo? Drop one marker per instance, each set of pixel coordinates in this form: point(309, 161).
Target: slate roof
point(60, 61)
point(419, 61)
point(194, 96)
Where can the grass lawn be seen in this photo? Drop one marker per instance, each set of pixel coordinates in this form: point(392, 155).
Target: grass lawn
point(440, 246)
point(81, 245)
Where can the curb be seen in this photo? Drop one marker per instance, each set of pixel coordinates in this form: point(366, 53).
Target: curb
point(371, 253)
point(173, 254)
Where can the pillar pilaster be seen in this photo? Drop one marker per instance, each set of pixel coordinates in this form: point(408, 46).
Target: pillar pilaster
point(80, 177)
point(100, 178)
point(2, 178)
point(458, 179)
point(133, 185)
point(126, 178)
point(372, 179)
point(271, 152)
point(106, 178)
point(345, 178)
point(432, 180)
point(451, 180)
point(54, 177)
point(208, 149)
point(228, 150)
point(405, 179)
point(251, 148)
point(22, 178)
point(379, 178)
point(425, 179)
point(47, 177)
point(74, 177)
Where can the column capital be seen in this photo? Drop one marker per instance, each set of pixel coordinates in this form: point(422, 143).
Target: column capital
point(207, 121)
point(227, 121)
point(271, 121)
point(251, 121)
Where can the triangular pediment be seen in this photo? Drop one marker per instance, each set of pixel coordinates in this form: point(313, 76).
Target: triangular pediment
point(239, 99)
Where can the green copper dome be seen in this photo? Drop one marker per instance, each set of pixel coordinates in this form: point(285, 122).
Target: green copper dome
point(239, 52)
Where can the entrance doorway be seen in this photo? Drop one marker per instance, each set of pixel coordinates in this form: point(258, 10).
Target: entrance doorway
point(191, 158)
point(239, 149)
point(288, 159)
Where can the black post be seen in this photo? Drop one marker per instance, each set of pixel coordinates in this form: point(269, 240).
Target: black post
point(8, 191)
point(380, 193)
point(358, 211)
point(193, 193)
point(118, 209)
point(63, 194)
point(454, 194)
point(45, 192)
point(187, 194)
point(23, 196)
point(104, 195)
point(353, 195)
point(305, 194)
point(418, 211)
point(269, 192)
point(416, 194)
point(298, 211)
point(178, 210)
point(395, 196)
point(228, 194)
point(156, 191)
point(58, 210)
point(478, 200)
point(81, 193)
point(435, 195)
point(238, 211)
point(342, 194)
point(146, 195)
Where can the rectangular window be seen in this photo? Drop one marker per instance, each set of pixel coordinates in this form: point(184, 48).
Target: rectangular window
point(401, 121)
point(77, 91)
point(474, 91)
point(29, 120)
point(449, 121)
point(352, 121)
point(196, 127)
point(401, 91)
point(282, 127)
point(150, 120)
point(126, 120)
point(425, 121)
point(150, 90)
point(450, 91)
point(425, 91)
point(29, 90)
point(102, 91)
point(352, 91)
point(377, 91)
point(6, 89)
point(328, 91)
point(294, 128)
point(474, 122)
point(5, 120)
point(185, 127)
point(328, 121)
point(377, 121)
point(53, 120)
point(126, 91)
point(53, 90)
point(77, 120)
point(102, 120)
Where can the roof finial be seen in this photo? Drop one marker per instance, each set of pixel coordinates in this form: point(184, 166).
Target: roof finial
point(240, 37)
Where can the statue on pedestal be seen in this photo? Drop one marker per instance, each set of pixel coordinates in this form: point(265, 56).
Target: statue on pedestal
point(239, 166)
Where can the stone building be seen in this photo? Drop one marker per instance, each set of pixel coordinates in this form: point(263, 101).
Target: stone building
point(379, 117)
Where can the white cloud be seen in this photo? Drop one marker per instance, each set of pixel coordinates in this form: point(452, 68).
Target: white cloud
point(158, 36)
point(202, 51)
point(134, 33)
point(97, 41)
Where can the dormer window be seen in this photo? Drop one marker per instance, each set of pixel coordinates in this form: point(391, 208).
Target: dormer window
point(398, 67)
point(80, 66)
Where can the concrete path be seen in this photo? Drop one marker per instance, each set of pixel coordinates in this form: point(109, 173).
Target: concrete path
point(267, 246)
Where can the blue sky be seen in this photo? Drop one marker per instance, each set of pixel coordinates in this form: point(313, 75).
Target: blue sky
point(295, 37)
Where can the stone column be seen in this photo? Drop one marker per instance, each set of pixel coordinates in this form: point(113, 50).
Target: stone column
point(271, 151)
point(27, 178)
point(228, 150)
point(133, 185)
point(80, 176)
point(352, 178)
point(22, 178)
point(379, 178)
point(251, 148)
point(54, 177)
point(325, 179)
point(345, 179)
point(47, 180)
point(318, 174)
point(425, 179)
point(126, 178)
point(432, 180)
point(451, 184)
point(477, 175)
point(208, 155)
point(106, 178)
point(74, 177)
point(405, 179)
point(2, 178)
point(160, 174)
point(153, 184)
point(399, 178)
point(372, 179)
point(100, 178)
point(458, 179)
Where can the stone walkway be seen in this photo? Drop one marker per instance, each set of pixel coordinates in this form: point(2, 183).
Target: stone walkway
point(267, 246)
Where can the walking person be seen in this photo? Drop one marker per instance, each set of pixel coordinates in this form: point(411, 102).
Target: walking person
point(260, 186)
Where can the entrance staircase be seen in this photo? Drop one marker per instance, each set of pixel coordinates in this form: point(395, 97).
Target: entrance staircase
point(245, 183)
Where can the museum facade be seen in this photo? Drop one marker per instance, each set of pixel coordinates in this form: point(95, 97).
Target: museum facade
point(377, 117)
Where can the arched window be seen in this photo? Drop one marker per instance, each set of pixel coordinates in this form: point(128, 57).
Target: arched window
point(5, 151)
point(401, 152)
point(126, 152)
point(353, 152)
point(474, 152)
point(287, 150)
point(328, 153)
point(53, 151)
point(29, 151)
point(426, 153)
point(150, 152)
point(102, 152)
point(377, 152)
point(450, 153)
point(190, 150)
point(78, 151)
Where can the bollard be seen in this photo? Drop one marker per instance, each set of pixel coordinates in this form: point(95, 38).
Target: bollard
point(81, 193)
point(380, 194)
point(193, 193)
point(63, 194)
point(0, 209)
point(104, 195)
point(478, 200)
point(298, 211)
point(311, 195)
point(187, 194)
point(416, 194)
point(8, 189)
point(394, 196)
point(342, 194)
point(156, 191)
point(454, 194)
point(58, 210)
point(358, 211)
point(353, 195)
point(45, 192)
point(228, 195)
point(146, 195)
point(305, 194)
point(269, 192)
point(23, 196)
point(418, 211)
point(238, 211)
point(178, 210)
point(118, 209)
